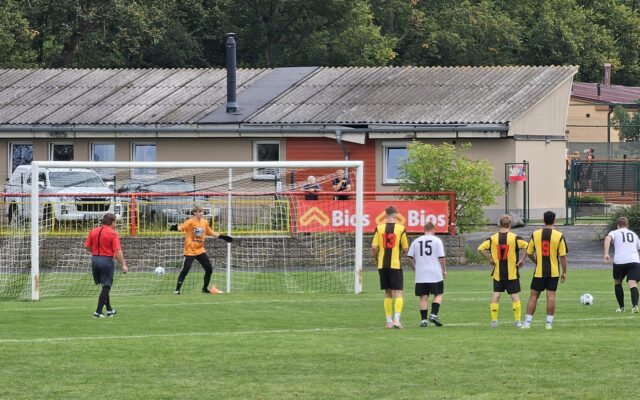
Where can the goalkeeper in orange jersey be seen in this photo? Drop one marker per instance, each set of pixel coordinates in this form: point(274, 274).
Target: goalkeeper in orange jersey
point(195, 230)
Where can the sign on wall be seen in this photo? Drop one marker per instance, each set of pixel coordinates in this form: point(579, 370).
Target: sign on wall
point(340, 216)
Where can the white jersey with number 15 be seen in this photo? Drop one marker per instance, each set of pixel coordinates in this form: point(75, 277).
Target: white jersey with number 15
point(626, 245)
point(426, 252)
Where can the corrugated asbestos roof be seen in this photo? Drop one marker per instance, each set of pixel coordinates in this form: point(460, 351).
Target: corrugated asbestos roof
point(608, 94)
point(395, 95)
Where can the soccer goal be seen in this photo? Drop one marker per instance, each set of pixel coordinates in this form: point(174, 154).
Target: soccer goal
point(292, 232)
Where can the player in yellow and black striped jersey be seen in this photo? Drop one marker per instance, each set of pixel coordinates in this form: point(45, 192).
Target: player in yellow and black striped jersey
point(548, 250)
point(502, 251)
point(389, 239)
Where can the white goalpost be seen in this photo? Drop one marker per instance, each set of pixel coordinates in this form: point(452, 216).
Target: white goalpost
point(289, 235)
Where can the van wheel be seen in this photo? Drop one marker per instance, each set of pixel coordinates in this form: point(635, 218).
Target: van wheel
point(47, 215)
point(13, 217)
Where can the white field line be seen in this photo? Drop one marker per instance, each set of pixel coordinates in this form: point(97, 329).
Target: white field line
point(536, 325)
point(448, 297)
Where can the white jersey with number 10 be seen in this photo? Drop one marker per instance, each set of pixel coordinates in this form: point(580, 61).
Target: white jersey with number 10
point(426, 252)
point(626, 245)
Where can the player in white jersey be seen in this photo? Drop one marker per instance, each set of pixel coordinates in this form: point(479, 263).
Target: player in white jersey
point(626, 261)
point(426, 257)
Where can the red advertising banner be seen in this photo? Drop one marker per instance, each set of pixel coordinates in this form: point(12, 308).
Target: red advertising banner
point(517, 172)
point(340, 216)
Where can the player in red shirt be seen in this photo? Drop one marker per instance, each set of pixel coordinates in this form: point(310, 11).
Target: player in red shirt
point(104, 244)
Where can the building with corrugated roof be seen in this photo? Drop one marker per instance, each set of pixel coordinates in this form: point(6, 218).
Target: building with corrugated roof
point(508, 114)
point(591, 109)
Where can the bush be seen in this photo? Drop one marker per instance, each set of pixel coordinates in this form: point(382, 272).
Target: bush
point(633, 215)
point(589, 199)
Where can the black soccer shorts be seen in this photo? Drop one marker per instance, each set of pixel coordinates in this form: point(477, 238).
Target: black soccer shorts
point(391, 278)
point(545, 283)
point(511, 286)
point(630, 270)
point(427, 288)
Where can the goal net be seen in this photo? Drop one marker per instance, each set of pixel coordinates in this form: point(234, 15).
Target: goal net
point(291, 231)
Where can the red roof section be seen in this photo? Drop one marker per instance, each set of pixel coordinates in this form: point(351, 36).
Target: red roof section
point(608, 94)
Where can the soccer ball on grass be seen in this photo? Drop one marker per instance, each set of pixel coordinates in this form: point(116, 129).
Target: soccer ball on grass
point(159, 271)
point(586, 299)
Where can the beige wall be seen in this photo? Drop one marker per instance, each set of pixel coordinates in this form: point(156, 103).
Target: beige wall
point(168, 149)
point(548, 117)
point(546, 179)
point(587, 122)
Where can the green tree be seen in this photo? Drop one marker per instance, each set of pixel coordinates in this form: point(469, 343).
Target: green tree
point(307, 32)
point(627, 123)
point(431, 168)
point(15, 37)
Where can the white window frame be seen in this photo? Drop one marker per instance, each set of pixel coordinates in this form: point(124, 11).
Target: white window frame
point(53, 144)
point(92, 152)
point(106, 174)
point(385, 160)
point(257, 173)
point(144, 171)
point(10, 154)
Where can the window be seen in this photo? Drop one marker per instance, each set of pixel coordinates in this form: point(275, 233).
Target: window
point(143, 152)
point(104, 152)
point(21, 154)
point(394, 154)
point(61, 152)
point(266, 151)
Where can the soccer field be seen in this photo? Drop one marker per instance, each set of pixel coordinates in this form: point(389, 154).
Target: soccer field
point(276, 346)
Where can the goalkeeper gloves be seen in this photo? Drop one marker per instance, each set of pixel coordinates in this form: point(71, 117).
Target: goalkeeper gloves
point(226, 238)
point(173, 227)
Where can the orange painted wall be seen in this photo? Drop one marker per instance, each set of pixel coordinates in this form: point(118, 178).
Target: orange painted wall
point(321, 149)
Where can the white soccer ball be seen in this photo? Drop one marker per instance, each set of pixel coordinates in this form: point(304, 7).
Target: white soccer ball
point(586, 299)
point(159, 271)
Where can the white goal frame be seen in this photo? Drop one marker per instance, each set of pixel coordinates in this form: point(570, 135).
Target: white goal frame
point(359, 199)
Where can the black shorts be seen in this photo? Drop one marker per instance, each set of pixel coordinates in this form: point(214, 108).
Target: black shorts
point(427, 288)
point(546, 283)
point(630, 270)
point(511, 286)
point(391, 278)
point(102, 269)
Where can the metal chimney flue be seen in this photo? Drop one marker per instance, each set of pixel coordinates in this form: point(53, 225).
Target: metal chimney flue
point(232, 104)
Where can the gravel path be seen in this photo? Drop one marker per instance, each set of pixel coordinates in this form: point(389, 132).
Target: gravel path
point(585, 243)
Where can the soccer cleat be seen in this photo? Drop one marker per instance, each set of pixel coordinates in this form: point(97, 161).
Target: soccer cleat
point(435, 320)
point(215, 290)
point(397, 324)
point(525, 326)
point(635, 310)
point(389, 325)
point(620, 309)
point(494, 324)
point(176, 292)
point(424, 323)
point(111, 313)
point(98, 315)
point(548, 326)
point(518, 324)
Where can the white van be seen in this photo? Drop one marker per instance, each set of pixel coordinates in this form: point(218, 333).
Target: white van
point(75, 194)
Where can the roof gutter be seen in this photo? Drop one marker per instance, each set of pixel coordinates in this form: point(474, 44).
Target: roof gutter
point(62, 129)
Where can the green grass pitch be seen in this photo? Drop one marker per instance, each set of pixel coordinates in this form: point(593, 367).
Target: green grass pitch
point(313, 346)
